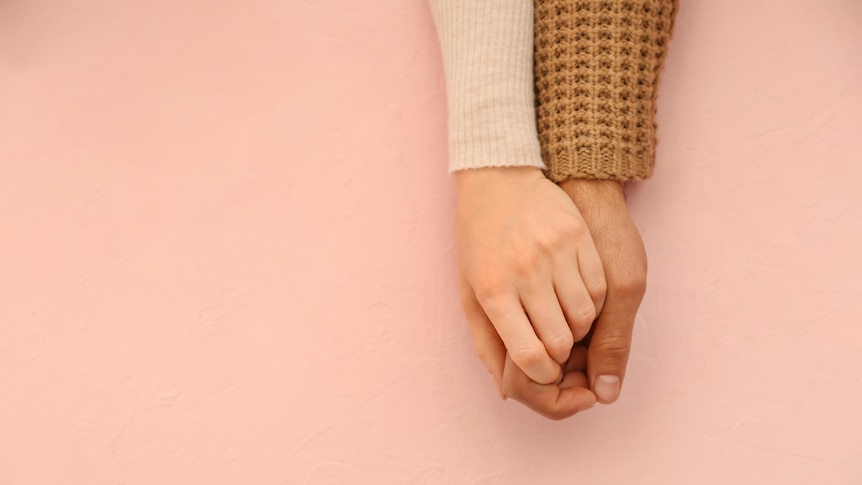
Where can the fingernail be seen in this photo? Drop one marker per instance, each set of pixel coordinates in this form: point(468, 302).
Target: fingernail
point(607, 388)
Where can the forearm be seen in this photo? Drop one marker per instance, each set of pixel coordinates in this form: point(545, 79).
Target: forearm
point(597, 71)
point(487, 49)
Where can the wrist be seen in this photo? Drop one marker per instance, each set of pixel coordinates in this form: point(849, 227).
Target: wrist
point(590, 188)
point(473, 177)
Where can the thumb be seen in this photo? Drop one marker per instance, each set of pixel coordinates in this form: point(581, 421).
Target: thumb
point(608, 352)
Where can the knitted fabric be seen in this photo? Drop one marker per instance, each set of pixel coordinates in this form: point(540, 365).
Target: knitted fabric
point(487, 50)
point(597, 66)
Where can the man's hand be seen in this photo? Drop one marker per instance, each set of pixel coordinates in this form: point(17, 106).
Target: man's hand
point(601, 365)
point(603, 206)
point(533, 282)
point(553, 401)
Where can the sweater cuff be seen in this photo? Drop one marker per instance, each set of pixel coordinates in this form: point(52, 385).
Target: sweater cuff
point(597, 71)
point(487, 52)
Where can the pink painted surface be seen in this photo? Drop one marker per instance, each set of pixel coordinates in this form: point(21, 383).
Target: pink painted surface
point(226, 255)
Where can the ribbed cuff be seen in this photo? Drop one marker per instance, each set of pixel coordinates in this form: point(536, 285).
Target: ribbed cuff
point(597, 71)
point(487, 49)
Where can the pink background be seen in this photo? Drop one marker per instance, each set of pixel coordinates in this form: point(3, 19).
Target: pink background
point(226, 255)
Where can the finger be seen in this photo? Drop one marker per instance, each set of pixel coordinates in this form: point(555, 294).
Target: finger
point(548, 400)
point(522, 344)
point(574, 379)
point(578, 359)
point(575, 369)
point(489, 347)
point(610, 344)
point(593, 274)
point(548, 321)
point(576, 302)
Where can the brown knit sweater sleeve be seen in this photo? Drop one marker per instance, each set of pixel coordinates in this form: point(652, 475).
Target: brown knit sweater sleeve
point(597, 67)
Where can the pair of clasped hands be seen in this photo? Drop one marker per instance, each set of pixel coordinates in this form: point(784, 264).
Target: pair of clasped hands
point(552, 277)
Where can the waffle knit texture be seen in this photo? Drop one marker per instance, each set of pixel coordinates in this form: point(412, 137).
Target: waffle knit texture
point(597, 66)
point(487, 49)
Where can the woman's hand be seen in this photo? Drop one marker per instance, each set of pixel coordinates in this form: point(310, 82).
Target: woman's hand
point(533, 282)
point(599, 362)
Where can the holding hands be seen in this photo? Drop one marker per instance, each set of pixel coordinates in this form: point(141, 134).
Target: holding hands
point(532, 279)
point(542, 92)
point(537, 273)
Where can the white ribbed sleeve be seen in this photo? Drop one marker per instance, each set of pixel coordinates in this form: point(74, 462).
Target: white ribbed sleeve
point(487, 48)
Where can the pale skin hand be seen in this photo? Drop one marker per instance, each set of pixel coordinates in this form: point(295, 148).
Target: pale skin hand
point(602, 204)
point(532, 280)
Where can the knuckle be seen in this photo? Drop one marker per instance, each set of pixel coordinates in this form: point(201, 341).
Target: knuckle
point(572, 227)
point(525, 262)
point(613, 350)
point(489, 288)
point(495, 302)
point(560, 346)
point(633, 285)
point(527, 356)
point(585, 314)
point(551, 241)
point(598, 288)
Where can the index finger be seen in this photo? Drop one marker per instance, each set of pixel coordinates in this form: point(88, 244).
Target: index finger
point(522, 344)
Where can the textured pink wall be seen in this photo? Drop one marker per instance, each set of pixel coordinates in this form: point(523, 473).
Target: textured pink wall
point(226, 255)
